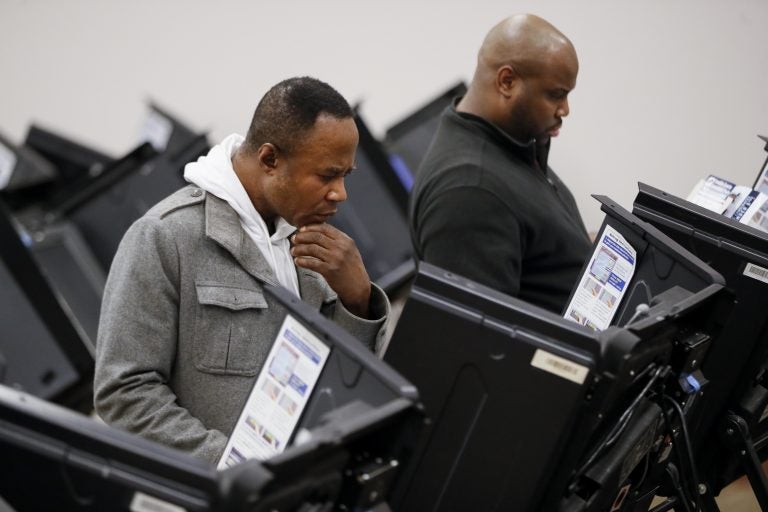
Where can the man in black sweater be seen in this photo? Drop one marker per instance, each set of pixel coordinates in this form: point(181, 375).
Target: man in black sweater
point(485, 204)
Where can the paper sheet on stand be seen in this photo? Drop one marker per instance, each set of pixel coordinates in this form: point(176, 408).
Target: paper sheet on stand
point(603, 285)
point(279, 396)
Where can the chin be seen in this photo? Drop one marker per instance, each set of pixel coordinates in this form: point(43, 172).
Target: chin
point(306, 221)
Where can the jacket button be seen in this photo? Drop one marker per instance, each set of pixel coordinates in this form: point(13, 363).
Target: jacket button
point(197, 192)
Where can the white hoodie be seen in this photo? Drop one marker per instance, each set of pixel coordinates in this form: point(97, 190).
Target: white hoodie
point(214, 174)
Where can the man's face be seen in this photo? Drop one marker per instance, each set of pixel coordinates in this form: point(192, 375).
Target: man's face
point(308, 182)
point(542, 101)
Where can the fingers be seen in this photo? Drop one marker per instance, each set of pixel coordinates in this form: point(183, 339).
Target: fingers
point(311, 250)
point(324, 235)
point(312, 238)
point(324, 248)
point(314, 249)
point(321, 228)
point(334, 255)
point(310, 263)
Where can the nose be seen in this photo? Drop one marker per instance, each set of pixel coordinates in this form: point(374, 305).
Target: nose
point(337, 192)
point(563, 109)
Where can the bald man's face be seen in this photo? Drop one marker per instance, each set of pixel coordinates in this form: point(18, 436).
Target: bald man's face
point(541, 101)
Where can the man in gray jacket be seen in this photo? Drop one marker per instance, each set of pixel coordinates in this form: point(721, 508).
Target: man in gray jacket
point(185, 327)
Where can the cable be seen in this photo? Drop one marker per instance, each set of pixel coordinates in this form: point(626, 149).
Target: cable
point(647, 466)
point(640, 309)
point(622, 423)
point(81, 501)
point(674, 476)
point(676, 447)
point(623, 420)
point(688, 448)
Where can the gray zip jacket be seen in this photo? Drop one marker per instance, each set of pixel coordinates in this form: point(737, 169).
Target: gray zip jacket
point(185, 326)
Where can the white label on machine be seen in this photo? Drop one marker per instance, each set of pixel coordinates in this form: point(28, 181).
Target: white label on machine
point(756, 272)
point(144, 503)
point(559, 366)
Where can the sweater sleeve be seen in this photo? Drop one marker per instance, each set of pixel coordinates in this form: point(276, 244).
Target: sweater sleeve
point(137, 342)
point(470, 231)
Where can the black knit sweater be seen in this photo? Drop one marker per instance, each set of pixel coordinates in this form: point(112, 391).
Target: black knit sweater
point(490, 209)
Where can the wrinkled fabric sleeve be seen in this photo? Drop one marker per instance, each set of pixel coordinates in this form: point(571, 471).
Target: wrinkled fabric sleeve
point(368, 331)
point(137, 343)
point(470, 231)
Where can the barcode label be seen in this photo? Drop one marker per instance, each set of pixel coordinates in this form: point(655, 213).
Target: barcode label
point(756, 272)
point(559, 366)
point(144, 503)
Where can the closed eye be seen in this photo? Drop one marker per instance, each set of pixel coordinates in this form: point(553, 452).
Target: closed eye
point(331, 175)
point(558, 94)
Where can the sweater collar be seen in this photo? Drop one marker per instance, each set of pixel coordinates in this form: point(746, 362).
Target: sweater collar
point(530, 152)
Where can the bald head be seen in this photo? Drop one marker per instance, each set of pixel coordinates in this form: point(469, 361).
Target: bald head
point(525, 41)
point(525, 70)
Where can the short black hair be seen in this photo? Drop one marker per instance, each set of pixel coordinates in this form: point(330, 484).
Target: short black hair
point(289, 109)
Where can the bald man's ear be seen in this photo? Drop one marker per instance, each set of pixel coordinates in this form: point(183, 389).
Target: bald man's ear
point(507, 80)
point(267, 156)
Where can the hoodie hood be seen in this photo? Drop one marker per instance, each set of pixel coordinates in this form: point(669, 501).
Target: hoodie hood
point(214, 174)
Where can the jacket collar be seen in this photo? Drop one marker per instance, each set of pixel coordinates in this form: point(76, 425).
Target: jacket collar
point(222, 225)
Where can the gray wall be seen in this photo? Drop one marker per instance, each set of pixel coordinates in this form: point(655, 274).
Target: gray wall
point(668, 91)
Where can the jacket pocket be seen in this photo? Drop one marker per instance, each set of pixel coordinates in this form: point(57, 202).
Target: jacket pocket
point(229, 325)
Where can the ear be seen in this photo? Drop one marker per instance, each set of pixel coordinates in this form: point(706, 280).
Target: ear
point(507, 80)
point(267, 157)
